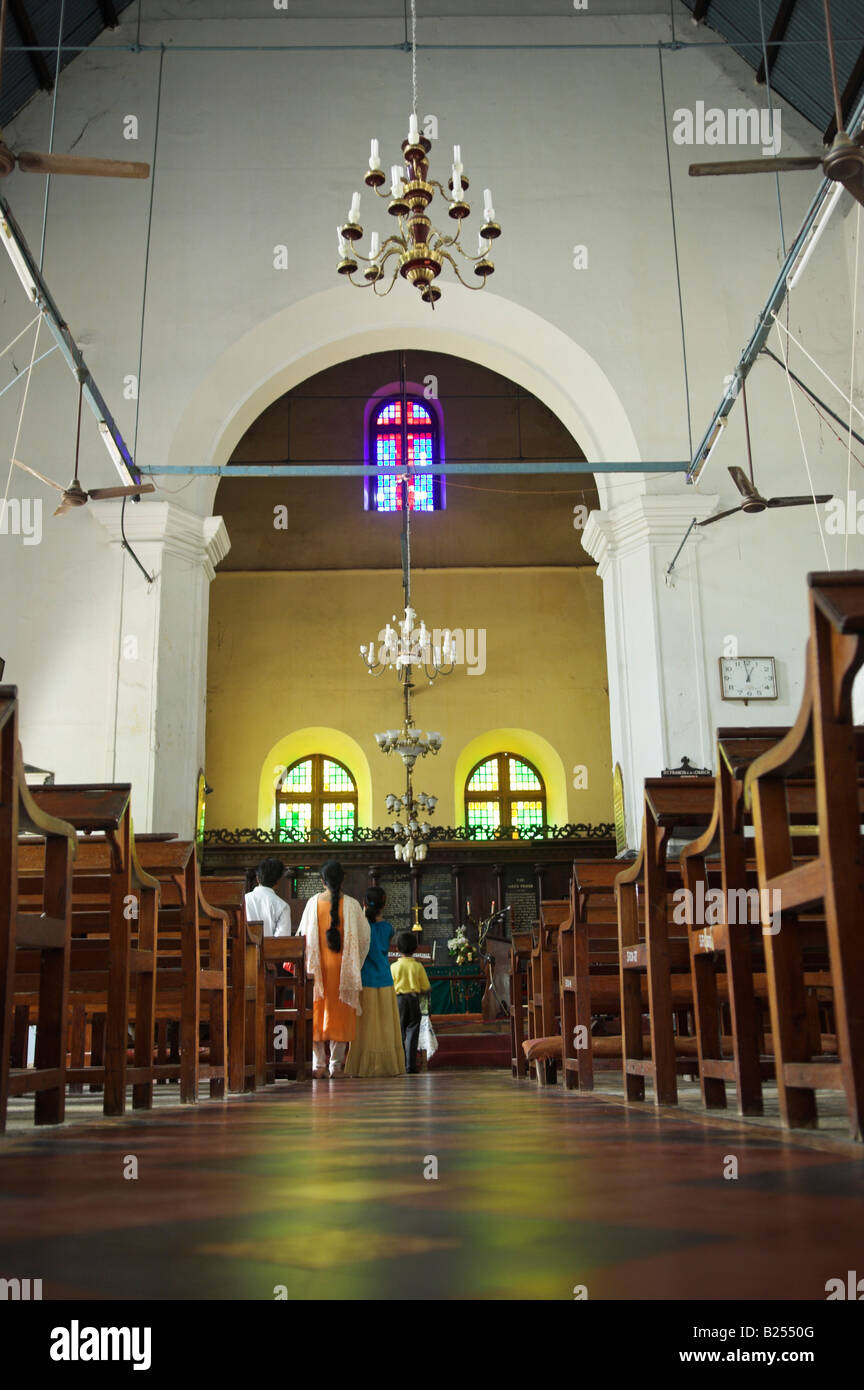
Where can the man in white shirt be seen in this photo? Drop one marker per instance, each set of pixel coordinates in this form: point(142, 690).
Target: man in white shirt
point(265, 905)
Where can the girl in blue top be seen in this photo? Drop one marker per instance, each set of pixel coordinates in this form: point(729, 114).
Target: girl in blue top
point(377, 1047)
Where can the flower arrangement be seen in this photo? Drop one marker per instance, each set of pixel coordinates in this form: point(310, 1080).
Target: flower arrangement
point(461, 949)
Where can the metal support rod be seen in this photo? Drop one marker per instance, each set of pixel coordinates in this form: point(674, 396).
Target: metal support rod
point(681, 546)
point(72, 353)
point(368, 470)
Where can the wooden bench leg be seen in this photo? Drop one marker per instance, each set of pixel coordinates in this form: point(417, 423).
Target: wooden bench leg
point(20, 1035)
point(218, 1012)
point(77, 1043)
point(162, 1047)
point(632, 1045)
point(238, 1029)
point(786, 994)
point(145, 1000)
point(97, 1048)
point(50, 1107)
point(705, 1006)
point(659, 975)
point(120, 939)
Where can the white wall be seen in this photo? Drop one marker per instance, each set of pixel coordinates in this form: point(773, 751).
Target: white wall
point(266, 147)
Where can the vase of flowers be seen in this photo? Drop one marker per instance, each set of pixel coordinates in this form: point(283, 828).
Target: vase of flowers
point(460, 948)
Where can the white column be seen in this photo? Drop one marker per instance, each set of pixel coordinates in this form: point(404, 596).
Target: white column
point(655, 649)
point(159, 679)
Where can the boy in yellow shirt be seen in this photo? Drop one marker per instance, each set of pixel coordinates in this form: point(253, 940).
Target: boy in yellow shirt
point(410, 981)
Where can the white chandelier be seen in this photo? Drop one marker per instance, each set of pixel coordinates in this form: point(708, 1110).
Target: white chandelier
point(412, 837)
point(409, 743)
point(407, 645)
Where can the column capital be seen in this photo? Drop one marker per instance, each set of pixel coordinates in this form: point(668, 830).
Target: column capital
point(659, 519)
point(202, 539)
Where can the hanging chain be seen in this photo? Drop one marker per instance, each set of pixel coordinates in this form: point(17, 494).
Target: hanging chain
point(414, 56)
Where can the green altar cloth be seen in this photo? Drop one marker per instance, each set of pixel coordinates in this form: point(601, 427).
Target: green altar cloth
point(456, 989)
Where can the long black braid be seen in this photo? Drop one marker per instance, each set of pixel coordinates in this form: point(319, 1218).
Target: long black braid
point(333, 874)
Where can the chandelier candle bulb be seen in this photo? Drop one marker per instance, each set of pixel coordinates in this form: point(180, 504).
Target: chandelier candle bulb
point(457, 181)
point(457, 159)
point(488, 210)
point(354, 214)
point(374, 158)
point(413, 130)
point(373, 245)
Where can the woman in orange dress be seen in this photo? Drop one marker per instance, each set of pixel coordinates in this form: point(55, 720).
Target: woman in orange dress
point(337, 941)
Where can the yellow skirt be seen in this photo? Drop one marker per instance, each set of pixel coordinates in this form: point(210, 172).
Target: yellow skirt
point(377, 1047)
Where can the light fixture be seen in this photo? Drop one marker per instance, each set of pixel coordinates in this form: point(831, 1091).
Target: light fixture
point(418, 250)
point(812, 238)
point(18, 260)
point(410, 744)
point(409, 644)
point(713, 441)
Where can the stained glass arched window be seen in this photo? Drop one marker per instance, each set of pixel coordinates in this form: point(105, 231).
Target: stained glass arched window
point(316, 794)
point(415, 441)
point(504, 792)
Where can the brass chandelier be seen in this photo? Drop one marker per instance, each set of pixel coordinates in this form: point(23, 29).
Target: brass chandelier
point(418, 251)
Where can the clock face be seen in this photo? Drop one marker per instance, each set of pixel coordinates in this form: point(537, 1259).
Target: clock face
point(748, 678)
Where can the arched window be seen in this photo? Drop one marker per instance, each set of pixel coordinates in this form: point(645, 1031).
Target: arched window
point(317, 794)
point(504, 792)
point(416, 441)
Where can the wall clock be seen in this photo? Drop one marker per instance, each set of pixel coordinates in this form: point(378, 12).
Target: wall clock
point(748, 678)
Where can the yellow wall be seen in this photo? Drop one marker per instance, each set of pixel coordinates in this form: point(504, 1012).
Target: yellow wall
point(284, 667)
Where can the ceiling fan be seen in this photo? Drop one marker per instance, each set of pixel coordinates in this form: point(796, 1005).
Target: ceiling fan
point(753, 499)
point(844, 162)
point(36, 162)
point(74, 495)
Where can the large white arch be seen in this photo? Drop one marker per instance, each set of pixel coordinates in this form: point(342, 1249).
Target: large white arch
point(337, 325)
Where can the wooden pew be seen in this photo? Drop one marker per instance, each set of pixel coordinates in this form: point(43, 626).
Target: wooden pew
point(45, 933)
point(583, 953)
point(823, 743)
point(297, 1013)
point(671, 803)
point(732, 952)
point(247, 988)
point(192, 980)
point(114, 925)
point(520, 974)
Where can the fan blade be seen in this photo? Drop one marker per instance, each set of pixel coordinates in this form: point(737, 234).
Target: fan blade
point(64, 507)
point(783, 164)
point(719, 517)
point(798, 501)
point(106, 492)
point(40, 476)
point(743, 484)
point(33, 162)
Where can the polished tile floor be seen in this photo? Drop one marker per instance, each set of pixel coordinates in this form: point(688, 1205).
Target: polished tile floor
point(327, 1191)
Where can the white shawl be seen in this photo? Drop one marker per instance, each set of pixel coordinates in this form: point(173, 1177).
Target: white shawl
point(355, 948)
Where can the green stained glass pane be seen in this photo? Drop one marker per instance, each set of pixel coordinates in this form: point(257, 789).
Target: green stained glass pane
point(299, 777)
point(339, 818)
point(336, 777)
point(485, 777)
point(485, 817)
point(523, 777)
point(527, 813)
point(297, 815)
